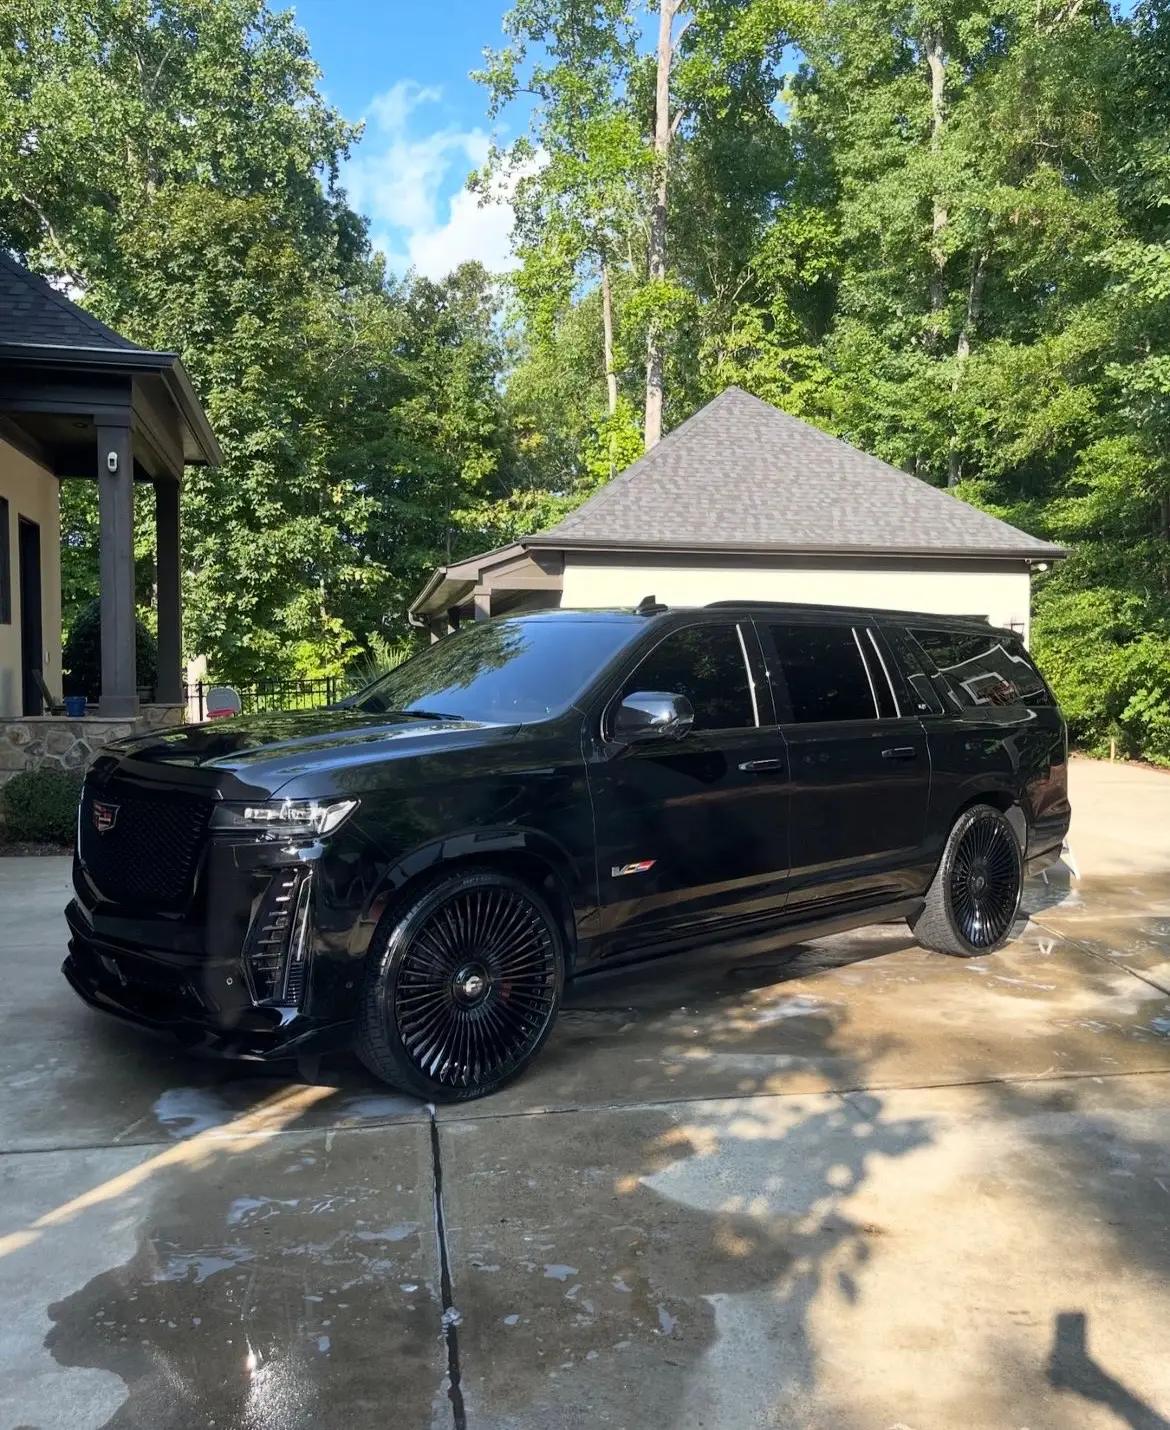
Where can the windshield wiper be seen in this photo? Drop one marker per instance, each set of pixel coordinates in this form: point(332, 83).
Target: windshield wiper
point(426, 714)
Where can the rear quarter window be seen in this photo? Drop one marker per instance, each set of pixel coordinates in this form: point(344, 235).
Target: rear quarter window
point(984, 670)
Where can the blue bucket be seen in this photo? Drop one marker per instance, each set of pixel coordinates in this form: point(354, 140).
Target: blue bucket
point(75, 706)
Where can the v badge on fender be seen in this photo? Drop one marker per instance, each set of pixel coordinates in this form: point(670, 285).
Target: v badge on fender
point(641, 866)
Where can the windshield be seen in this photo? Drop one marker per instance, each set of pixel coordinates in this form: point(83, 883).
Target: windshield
point(503, 671)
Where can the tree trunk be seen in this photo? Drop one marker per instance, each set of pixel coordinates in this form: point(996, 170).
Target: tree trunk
point(974, 307)
point(611, 386)
point(607, 331)
point(937, 62)
point(666, 14)
point(963, 352)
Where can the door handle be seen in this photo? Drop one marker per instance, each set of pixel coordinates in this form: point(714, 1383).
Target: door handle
point(900, 752)
point(756, 767)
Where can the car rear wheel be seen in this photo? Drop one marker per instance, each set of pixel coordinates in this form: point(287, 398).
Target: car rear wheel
point(463, 986)
point(973, 900)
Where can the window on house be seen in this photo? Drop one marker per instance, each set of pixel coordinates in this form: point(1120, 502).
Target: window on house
point(5, 564)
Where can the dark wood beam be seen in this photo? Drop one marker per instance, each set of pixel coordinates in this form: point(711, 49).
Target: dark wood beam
point(115, 474)
point(170, 596)
point(106, 400)
point(15, 435)
point(156, 426)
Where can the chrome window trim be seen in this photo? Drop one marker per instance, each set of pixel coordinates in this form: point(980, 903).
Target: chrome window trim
point(886, 672)
point(748, 667)
point(877, 709)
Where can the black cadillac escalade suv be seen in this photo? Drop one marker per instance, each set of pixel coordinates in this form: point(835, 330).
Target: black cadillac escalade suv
point(416, 872)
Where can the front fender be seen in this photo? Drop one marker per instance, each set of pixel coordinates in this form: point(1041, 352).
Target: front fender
point(483, 845)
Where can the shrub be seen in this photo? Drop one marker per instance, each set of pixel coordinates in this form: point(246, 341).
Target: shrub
point(379, 657)
point(40, 806)
point(82, 655)
point(1107, 655)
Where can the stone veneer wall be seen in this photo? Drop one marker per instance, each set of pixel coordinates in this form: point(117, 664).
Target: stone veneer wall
point(59, 743)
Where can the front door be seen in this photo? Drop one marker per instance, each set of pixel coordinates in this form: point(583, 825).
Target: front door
point(31, 632)
point(692, 834)
point(860, 766)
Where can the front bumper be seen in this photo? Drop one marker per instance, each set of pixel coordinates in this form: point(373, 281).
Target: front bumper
point(204, 1003)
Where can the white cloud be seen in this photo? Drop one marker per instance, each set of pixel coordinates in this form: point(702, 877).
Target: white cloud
point(410, 185)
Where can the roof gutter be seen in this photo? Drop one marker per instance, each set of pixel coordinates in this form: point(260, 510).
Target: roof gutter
point(730, 548)
point(437, 577)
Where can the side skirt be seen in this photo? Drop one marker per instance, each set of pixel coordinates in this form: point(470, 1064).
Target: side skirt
point(779, 935)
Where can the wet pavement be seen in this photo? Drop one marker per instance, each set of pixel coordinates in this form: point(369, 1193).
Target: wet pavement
point(848, 1186)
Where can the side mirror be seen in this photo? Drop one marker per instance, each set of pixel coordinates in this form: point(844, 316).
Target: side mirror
point(652, 715)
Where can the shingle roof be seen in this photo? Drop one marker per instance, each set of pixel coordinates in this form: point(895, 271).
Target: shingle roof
point(33, 313)
point(742, 475)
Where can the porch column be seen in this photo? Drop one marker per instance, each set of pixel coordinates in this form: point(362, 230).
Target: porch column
point(482, 598)
point(116, 512)
point(168, 581)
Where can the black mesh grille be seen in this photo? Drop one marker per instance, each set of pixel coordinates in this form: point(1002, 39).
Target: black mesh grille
point(141, 849)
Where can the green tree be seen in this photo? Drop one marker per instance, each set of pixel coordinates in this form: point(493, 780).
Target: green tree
point(578, 186)
point(174, 160)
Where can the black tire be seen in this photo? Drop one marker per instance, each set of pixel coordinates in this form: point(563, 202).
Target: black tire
point(974, 897)
point(463, 985)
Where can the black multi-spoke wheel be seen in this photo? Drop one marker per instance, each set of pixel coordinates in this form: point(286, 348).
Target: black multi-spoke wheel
point(465, 987)
point(972, 903)
point(985, 882)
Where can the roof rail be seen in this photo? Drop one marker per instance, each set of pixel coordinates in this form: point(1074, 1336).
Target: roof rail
point(648, 606)
point(828, 607)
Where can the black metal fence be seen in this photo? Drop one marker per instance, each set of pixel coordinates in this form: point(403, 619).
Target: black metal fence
point(266, 695)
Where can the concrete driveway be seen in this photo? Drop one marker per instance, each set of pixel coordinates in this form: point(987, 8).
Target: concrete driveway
point(849, 1186)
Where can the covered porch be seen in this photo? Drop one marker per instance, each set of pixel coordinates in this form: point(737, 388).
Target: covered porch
point(91, 406)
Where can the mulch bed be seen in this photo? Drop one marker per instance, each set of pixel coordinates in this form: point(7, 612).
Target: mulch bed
point(22, 848)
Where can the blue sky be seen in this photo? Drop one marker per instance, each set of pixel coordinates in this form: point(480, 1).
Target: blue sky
point(403, 68)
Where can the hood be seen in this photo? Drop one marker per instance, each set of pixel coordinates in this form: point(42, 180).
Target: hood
point(272, 749)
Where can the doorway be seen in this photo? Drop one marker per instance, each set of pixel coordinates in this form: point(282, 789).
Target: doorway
point(31, 624)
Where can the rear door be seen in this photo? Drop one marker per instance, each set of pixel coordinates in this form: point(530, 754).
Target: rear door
point(997, 727)
point(692, 834)
point(858, 761)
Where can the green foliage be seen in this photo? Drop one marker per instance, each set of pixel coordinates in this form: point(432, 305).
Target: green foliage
point(943, 237)
point(381, 656)
point(81, 655)
point(175, 161)
point(40, 807)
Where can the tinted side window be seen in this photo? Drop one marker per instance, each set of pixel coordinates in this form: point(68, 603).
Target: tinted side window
point(914, 667)
point(990, 669)
point(706, 664)
point(824, 673)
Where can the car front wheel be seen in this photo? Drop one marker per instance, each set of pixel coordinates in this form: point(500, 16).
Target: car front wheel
point(974, 897)
point(463, 986)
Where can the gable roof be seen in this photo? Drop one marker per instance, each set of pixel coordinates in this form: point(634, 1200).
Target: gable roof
point(33, 313)
point(740, 475)
point(40, 328)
